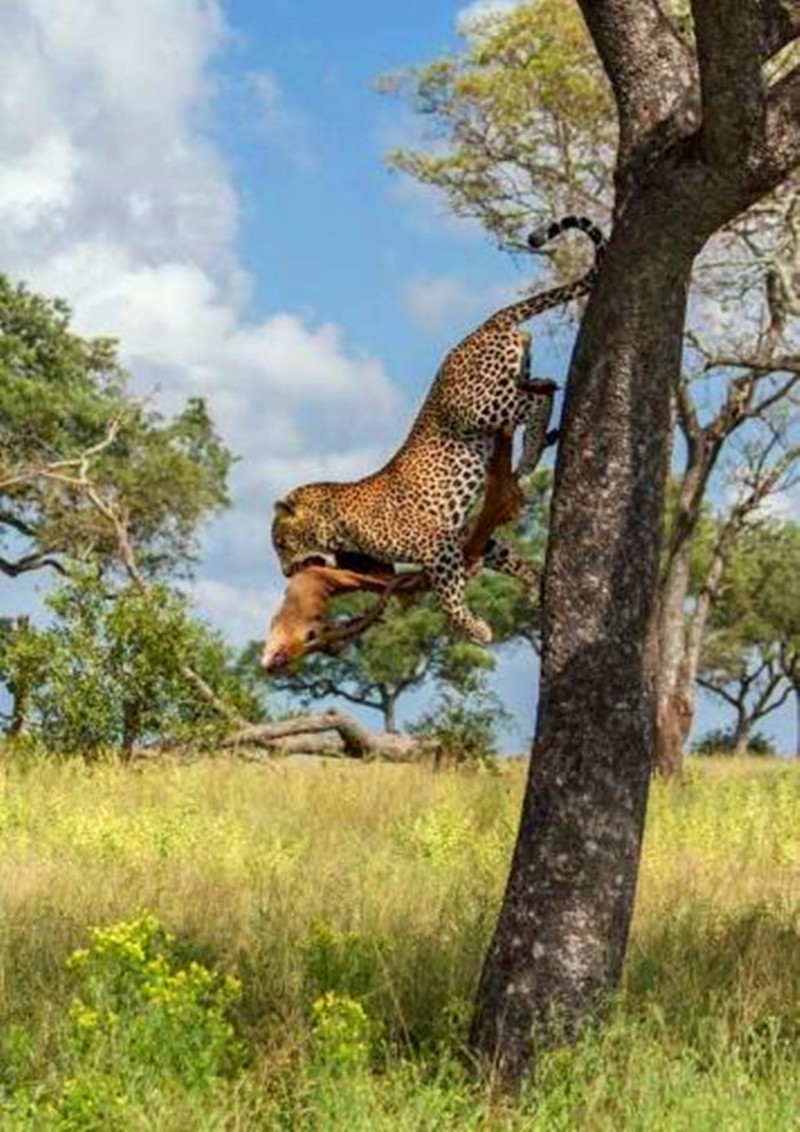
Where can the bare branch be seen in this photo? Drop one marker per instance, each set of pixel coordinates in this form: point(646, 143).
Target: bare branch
point(210, 696)
point(763, 362)
point(60, 470)
point(760, 408)
point(118, 519)
point(36, 560)
point(687, 414)
point(9, 519)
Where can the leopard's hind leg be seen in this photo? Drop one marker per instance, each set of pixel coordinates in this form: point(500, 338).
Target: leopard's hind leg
point(534, 406)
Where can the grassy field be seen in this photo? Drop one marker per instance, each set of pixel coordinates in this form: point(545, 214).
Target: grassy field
point(326, 929)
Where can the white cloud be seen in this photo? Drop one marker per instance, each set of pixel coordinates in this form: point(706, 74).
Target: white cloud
point(114, 196)
point(469, 18)
point(40, 186)
point(283, 123)
point(433, 300)
point(244, 611)
point(103, 105)
point(447, 304)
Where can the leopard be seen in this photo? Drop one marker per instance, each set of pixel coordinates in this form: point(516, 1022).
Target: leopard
point(413, 510)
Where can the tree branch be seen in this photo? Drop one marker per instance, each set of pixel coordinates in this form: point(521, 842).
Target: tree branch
point(9, 519)
point(780, 152)
point(36, 560)
point(319, 688)
point(72, 471)
point(763, 364)
point(762, 706)
point(711, 685)
point(118, 520)
point(759, 409)
point(650, 68)
point(358, 742)
point(779, 24)
point(731, 83)
point(687, 414)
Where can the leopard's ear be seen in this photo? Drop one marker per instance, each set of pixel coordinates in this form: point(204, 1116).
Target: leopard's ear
point(284, 508)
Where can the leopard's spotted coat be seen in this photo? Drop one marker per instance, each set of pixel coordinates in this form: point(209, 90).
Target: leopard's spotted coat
point(414, 509)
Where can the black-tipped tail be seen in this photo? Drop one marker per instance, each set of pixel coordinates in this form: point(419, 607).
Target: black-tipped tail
point(542, 236)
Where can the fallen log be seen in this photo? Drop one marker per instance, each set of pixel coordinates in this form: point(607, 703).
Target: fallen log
point(356, 741)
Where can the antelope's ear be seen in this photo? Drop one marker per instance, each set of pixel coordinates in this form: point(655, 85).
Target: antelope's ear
point(283, 508)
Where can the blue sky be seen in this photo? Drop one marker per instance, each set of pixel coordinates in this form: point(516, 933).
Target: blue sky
point(205, 181)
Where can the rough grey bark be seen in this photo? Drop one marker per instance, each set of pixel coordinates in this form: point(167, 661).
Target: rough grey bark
point(560, 941)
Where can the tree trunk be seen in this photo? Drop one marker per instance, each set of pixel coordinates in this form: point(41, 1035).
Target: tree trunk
point(560, 941)
point(741, 734)
point(674, 722)
point(357, 742)
point(20, 707)
point(680, 644)
point(20, 690)
point(131, 726)
point(389, 717)
point(675, 707)
point(558, 948)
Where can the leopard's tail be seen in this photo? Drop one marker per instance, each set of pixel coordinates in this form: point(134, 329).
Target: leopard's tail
point(541, 236)
point(557, 296)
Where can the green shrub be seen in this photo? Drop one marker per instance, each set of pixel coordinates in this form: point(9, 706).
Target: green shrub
point(719, 741)
point(140, 1002)
point(145, 1018)
point(462, 728)
point(342, 1033)
point(342, 963)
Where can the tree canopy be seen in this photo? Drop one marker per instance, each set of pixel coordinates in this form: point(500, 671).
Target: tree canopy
point(66, 411)
point(751, 656)
point(521, 123)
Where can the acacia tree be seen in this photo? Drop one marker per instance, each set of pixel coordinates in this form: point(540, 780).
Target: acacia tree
point(91, 478)
point(63, 402)
point(765, 464)
point(751, 657)
point(522, 125)
point(703, 136)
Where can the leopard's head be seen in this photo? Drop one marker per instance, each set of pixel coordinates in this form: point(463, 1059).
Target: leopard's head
point(301, 528)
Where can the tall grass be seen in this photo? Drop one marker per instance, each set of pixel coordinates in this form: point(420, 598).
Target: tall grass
point(354, 903)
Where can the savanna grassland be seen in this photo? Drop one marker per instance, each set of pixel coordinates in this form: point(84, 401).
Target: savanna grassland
point(226, 945)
